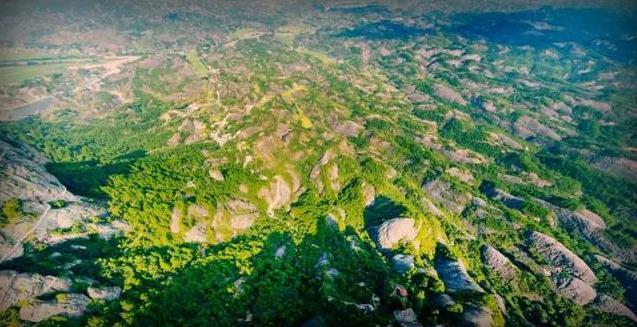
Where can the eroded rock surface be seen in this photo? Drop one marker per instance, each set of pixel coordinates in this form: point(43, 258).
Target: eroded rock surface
point(455, 276)
point(561, 258)
point(393, 231)
point(498, 263)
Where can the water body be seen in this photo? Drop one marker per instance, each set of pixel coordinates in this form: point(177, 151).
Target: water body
point(384, 29)
point(30, 109)
point(610, 33)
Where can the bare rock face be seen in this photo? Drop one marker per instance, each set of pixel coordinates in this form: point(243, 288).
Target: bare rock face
point(16, 287)
point(587, 224)
point(242, 214)
point(455, 277)
point(66, 217)
point(620, 167)
point(442, 192)
point(574, 289)
point(507, 199)
point(406, 318)
point(477, 316)
point(626, 277)
point(197, 234)
point(401, 263)
point(527, 127)
point(606, 303)
point(561, 257)
point(72, 305)
point(449, 94)
point(22, 176)
point(277, 194)
point(393, 231)
point(104, 293)
point(498, 263)
point(369, 194)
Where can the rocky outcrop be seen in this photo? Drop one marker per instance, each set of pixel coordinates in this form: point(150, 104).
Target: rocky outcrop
point(626, 277)
point(17, 287)
point(560, 257)
point(196, 234)
point(507, 199)
point(607, 304)
point(478, 316)
point(442, 192)
point(574, 289)
point(66, 217)
point(585, 223)
point(68, 305)
point(23, 176)
point(369, 194)
point(455, 276)
point(449, 94)
point(498, 263)
point(406, 318)
point(277, 194)
point(242, 214)
point(328, 168)
point(401, 263)
point(104, 293)
point(393, 231)
point(527, 127)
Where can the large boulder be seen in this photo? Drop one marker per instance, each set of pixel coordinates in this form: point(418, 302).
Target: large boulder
point(500, 264)
point(401, 263)
point(455, 276)
point(607, 304)
point(17, 287)
point(68, 305)
point(478, 316)
point(393, 231)
point(574, 289)
point(561, 258)
point(104, 293)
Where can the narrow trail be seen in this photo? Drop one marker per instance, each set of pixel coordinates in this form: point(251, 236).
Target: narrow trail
point(28, 233)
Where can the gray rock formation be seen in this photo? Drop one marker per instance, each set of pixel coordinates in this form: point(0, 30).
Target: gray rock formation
point(527, 127)
point(574, 289)
point(406, 318)
point(17, 287)
point(401, 263)
point(561, 258)
point(104, 293)
point(455, 277)
point(449, 94)
point(607, 304)
point(497, 262)
point(70, 305)
point(590, 226)
point(626, 277)
point(477, 316)
point(507, 199)
point(22, 175)
point(445, 195)
point(393, 231)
